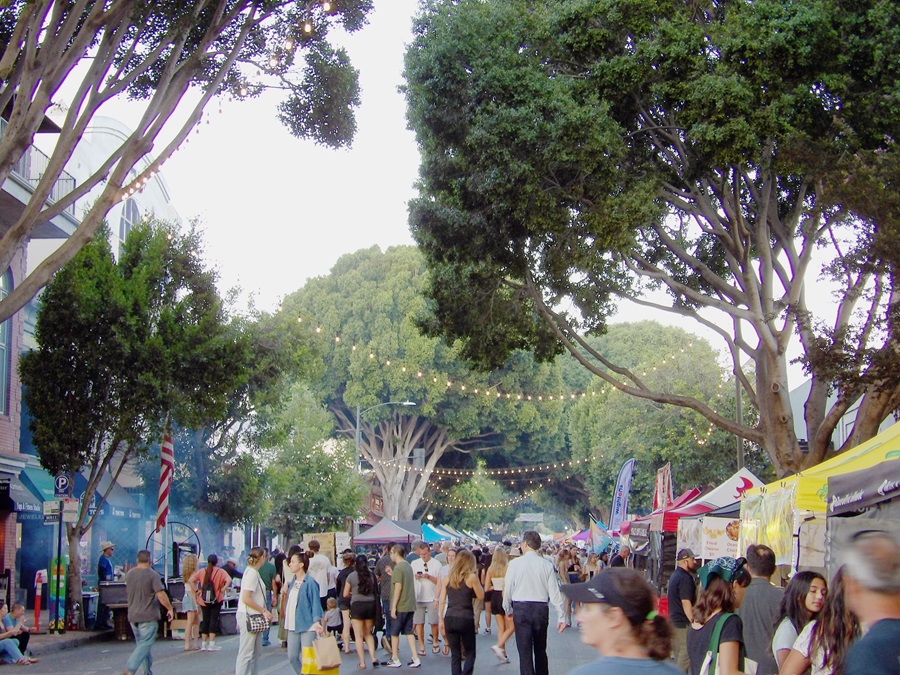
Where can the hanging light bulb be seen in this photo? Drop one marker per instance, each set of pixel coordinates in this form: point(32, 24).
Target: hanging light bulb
point(326, 6)
point(307, 27)
point(273, 61)
point(289, 44)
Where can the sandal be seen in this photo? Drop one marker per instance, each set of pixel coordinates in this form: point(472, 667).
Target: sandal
point(446, 650)
point(421, 652)
point(436, 649)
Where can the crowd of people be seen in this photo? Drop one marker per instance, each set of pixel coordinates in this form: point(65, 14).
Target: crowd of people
point(724, 617)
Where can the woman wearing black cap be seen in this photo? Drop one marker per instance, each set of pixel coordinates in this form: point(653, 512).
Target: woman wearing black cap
point(724, 582)
point(618, 618)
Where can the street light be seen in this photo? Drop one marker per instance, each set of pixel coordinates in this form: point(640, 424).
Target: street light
point(360, 413)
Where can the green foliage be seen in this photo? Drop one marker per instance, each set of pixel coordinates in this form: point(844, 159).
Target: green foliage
point(465, 505)
point(613, 427)
point(312, 483)
point(577, 152)
point(122, 348)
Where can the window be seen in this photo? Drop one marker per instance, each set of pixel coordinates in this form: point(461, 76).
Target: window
point(131, 214)
point(6, 285)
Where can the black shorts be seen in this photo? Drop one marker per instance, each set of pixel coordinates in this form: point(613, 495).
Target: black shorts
point(343, 604)
point(497, 603)
point(403, 624)
point(362, 610)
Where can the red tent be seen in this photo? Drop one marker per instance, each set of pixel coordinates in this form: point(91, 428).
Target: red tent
point(729, 492)
point(683, 499)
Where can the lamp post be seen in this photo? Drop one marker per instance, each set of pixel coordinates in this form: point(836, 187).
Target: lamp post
point(360, 413)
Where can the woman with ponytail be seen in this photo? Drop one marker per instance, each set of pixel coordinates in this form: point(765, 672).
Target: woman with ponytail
point(617, 617)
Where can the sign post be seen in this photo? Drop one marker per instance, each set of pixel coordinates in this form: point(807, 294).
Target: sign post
point(40, 578)
point(61, 488)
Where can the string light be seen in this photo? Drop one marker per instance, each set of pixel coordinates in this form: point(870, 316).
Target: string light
point(515, 470)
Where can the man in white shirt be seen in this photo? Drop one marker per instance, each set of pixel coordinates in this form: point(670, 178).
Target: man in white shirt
point(530, 584)
point(318, 570)
point(426, 570)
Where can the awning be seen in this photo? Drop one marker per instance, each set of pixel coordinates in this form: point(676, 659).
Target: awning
point(862, 489)
point(119, 503)
point(14, 496)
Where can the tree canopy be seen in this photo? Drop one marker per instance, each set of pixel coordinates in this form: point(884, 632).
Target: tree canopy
point(365, 313)
point(576, 153)
point(157, 54)
point(124, 349)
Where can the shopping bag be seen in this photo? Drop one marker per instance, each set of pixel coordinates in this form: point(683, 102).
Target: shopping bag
point(328, 656)
point(308, 663)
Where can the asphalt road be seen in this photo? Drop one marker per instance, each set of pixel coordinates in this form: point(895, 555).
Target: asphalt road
point(169, 658)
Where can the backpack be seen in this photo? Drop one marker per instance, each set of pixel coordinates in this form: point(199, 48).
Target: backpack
point(208, 592)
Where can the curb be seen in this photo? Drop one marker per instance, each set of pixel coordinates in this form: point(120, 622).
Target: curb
point(54, 644)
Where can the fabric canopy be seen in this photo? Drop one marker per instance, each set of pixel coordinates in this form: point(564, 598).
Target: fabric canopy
point(386, 531)
point(811, 486)
point(862, 489)
point(431, 534)
point(581, 536)
point(725, 494)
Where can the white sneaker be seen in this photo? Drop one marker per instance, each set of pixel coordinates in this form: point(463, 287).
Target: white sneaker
point(213, 647)
point(202, 646)
point(394, 663)
point(500, 654)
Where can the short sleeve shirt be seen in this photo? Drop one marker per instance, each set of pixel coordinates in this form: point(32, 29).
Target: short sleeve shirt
point(381, 572)
point(355, 594)
point(698, 640)
point(681, 587)
point(785, 636)
point(877, 652)
point(426, 589)
point(142, 585)
point(267, 574)
point(403, 575)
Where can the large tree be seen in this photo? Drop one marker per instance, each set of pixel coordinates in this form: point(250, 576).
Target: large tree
point(576, 153)
point(124, 349)
point(173, 57)
point(366, 310)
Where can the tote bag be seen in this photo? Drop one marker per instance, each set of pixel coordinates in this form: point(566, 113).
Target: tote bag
point(308, 662)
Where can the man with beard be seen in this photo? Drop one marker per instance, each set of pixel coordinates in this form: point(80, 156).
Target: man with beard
point(681, 592)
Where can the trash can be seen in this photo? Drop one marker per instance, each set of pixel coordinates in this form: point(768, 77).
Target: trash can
point(89, 603)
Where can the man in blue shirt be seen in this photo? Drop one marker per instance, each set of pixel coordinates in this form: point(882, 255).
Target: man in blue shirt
point(104, 573)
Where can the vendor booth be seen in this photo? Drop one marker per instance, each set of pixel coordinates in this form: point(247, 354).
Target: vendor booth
point(789, 515)
point(868, 499)
point(386, 531)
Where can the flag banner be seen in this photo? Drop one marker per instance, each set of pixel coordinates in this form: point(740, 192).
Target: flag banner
point(664, 491)
point(620, 496)
point(600, 538)
point(166, 472)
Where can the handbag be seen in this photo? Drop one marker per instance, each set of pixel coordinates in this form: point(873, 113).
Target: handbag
point(326, 652)
point(258, 623)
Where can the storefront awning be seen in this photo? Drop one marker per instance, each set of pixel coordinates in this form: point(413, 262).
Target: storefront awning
point(118, 504)
point(14, 496)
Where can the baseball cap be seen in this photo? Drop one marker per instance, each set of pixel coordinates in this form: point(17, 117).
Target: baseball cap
point(684, 554)
point(602, 588)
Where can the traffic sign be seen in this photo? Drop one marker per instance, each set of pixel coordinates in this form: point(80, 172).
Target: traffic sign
point(61, 486)
point(52, 512)
point(70, 510)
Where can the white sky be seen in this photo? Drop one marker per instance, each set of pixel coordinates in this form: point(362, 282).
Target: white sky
point(277, 210)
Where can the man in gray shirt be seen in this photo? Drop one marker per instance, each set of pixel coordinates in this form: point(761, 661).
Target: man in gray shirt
point(759, 608)
point(145, 595)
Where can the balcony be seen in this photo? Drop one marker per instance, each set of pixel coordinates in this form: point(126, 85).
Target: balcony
point(18, 188)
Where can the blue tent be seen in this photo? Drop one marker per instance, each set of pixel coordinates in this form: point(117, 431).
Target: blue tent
point(431, 534)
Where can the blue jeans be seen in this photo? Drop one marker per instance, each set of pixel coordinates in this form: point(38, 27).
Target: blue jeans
point(9, 651)
point(144, 637)
point(265, 640)
point(295, 644)
point(386, 613)
point(532, 620)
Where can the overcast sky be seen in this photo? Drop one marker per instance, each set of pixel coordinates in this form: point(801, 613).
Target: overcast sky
point(277, 210)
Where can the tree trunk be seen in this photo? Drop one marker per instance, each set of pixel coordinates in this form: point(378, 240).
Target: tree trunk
point(73, 573)
point(776, 417)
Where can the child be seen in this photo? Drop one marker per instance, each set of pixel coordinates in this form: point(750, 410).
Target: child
point(333, 621)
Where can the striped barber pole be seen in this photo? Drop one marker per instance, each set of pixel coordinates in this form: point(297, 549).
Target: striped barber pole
point(166, 472)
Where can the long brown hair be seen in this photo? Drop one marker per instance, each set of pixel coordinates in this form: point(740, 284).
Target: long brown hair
point(718, 595)
point(463, 566)
point(836, 628)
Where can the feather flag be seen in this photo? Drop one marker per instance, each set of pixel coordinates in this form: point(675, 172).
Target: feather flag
point(620, 496)
point(166, 472)
point(600, 538)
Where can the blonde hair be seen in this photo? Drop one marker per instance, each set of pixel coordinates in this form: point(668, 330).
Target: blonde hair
point(331, 603)
point(463, 566)
point(188, 567)
point(257, 553)
point(499, 563)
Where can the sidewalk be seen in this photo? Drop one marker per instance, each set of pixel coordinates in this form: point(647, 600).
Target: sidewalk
point(42, 644)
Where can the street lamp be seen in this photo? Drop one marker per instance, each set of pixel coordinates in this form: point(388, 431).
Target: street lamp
point(360, 413)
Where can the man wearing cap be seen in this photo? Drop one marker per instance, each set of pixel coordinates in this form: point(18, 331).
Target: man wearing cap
point(232, 570)
point(104, 573)
point(681, 593)
point(529, 585)
point(760, 607)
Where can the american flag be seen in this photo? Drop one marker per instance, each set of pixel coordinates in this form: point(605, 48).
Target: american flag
point(166, 471)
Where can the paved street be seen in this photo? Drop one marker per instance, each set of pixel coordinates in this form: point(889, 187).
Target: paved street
point(566, 652)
